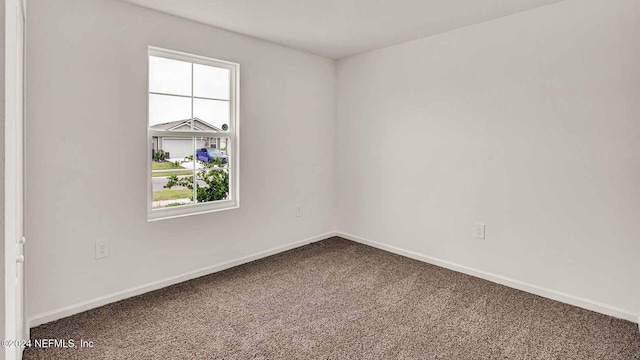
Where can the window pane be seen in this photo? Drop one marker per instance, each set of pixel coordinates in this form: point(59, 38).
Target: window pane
point(213, 184)
point(169, 112)
point(172, 189)
point(172, 168)
point(211, 82)
point(169, 76)
point(213, 113)
point(213, 170)
point(211, 152)
point(171, 152)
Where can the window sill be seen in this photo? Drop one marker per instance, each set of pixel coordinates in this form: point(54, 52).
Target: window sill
point(197, 209)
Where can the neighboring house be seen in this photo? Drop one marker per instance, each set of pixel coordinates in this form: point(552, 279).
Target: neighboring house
point(178, 147)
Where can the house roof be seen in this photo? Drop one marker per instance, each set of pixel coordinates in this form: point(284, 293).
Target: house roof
point(178, 123)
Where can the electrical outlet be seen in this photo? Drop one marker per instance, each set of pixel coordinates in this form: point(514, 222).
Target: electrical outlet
point(298, 210)
point(478, 230)
point(102, 249)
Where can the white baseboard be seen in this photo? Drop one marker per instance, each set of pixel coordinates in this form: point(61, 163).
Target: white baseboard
point(124, 294)
point(516, 284)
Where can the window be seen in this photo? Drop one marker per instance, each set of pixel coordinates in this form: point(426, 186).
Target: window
point(192, 134)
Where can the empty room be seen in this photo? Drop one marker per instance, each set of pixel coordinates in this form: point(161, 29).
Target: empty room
point(320, 179)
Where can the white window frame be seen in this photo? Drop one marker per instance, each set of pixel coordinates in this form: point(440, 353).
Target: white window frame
point(233, 144)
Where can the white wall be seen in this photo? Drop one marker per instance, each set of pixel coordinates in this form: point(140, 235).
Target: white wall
point(87, 152)
point(529, 124)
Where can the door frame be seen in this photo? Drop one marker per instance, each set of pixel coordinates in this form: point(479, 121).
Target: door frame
point(13, 181)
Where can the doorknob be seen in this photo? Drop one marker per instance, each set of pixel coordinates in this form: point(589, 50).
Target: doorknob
point(20, 259)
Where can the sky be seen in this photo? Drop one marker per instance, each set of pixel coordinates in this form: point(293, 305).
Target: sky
point(210, 84)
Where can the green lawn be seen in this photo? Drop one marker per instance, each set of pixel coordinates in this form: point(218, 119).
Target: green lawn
point(167, 166)
point(172, 194)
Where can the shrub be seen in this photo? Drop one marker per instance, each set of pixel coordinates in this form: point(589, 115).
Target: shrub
point(159, 155)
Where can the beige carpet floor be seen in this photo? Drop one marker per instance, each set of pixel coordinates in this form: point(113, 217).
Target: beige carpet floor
point(340, 300)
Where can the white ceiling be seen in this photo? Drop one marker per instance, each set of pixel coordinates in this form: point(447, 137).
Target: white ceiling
point(340, 28)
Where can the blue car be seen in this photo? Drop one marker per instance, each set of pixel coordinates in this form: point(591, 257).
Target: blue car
point(209, 155)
